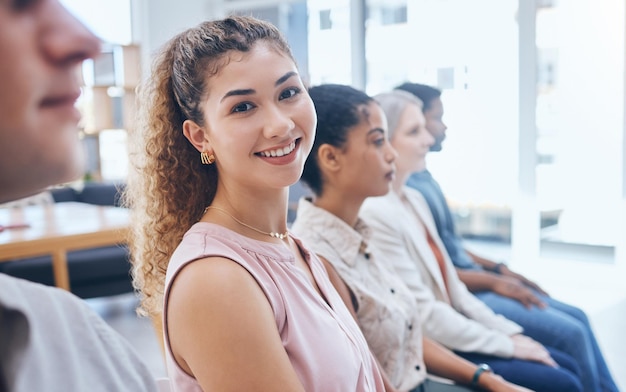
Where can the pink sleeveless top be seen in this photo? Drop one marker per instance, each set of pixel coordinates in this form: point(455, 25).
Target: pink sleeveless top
point(324, 344)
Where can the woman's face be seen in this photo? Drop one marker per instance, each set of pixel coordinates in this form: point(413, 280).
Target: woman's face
point(259, 120)
point(411, 140)
point(435, 124)
point(42, 46)
point(367, 158)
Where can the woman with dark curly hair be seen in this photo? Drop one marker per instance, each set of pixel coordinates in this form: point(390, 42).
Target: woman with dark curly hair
point(226, 125)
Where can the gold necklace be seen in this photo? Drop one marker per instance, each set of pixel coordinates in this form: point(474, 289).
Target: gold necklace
point(271, 234)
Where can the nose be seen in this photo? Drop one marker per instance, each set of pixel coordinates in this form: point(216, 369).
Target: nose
point(278, 122)
point(65, 40)
point(390, 153)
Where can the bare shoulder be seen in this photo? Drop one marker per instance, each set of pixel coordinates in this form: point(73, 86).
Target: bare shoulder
point(211, 289)
point(223, 331)
point(222, 274)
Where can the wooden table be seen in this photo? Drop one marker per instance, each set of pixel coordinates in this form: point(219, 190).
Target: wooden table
point(58, 228)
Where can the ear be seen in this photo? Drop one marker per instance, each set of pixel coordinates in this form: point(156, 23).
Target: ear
point(329, 158)
point(196, 135)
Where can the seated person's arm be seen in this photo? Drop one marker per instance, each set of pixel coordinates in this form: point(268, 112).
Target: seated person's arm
point(223, 332)
point(482, 332)
point(350, 300)
point(444, 363)
point(480, 280)
point(501, 269)
point(487, 264)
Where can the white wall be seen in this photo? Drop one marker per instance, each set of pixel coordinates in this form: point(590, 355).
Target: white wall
point(156, 21)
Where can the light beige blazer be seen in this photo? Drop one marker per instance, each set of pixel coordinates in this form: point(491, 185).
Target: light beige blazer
point(454, 318)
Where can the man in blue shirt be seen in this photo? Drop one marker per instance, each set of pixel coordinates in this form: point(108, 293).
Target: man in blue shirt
point(506, 292)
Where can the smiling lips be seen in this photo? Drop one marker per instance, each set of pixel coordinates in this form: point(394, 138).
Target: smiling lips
point(279, 152)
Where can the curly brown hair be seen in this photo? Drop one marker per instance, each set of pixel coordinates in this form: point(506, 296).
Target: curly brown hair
point(168, 187)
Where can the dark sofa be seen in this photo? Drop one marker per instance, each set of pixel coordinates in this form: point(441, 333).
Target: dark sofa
point(93, 272)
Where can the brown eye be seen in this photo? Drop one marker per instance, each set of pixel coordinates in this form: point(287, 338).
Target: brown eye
point(290, 92)
point(242, 107)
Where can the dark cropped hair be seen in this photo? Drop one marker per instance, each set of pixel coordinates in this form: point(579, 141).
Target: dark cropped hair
point(426, 93)
point(338, 108)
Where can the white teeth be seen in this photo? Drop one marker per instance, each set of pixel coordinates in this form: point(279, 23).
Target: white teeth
point(279, 152)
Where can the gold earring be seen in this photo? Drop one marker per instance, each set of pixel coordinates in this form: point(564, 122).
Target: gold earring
point(206, 158)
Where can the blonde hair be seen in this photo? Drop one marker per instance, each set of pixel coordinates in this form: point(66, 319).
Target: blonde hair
point(168, 187)
point(393, 104)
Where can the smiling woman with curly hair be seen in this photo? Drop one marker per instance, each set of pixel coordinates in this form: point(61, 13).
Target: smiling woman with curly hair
point(226, 125)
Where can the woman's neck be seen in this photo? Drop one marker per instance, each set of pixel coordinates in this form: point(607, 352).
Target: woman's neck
point(344, 206)
point(265, 210)
point(402, 176)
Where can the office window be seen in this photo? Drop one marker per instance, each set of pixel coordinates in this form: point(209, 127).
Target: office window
point(108, 19)
point(471, 55)
point(329, 41)
point(387, 13)
point(580, 115)
point(105, 145)
point(326, 22)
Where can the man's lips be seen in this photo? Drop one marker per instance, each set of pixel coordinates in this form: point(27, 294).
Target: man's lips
point(60, 99)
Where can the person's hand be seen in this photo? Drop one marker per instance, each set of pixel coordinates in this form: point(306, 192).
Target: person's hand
point(515, 289)
point(505, 271)
point(531, 350)
point(495, 383)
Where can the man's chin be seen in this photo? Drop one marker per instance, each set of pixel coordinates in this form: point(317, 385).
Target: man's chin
point(63, 170)
point(436, 147)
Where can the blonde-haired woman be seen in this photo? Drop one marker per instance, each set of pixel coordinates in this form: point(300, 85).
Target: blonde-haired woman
point(404, 231)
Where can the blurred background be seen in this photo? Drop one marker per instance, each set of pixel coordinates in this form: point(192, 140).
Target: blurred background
point(533, 90)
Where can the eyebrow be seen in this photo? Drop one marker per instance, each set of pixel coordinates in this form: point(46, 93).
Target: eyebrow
point(375, 130)
point(249, 91)
point(284, 78)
